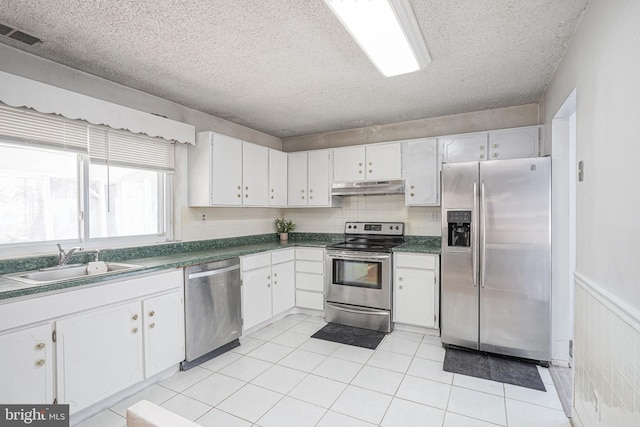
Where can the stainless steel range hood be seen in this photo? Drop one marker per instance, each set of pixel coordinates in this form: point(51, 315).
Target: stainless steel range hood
point(358, 188)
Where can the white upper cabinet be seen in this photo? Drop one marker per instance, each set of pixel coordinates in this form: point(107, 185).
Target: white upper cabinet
point(309, 178)
point(465, 148)
point(225, 171)
point(495, 145)
point(277, 178)
point(319, 178)
point(255, 170)
point(367, 162)
point(514, 143)
point(297, 186)
point(422, 175)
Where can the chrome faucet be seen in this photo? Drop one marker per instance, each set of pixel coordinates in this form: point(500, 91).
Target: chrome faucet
point(63, 258)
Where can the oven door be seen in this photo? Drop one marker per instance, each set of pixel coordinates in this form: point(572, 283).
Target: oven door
point(360, 279)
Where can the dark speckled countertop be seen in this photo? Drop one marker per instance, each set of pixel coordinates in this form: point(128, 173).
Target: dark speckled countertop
point(175, 255)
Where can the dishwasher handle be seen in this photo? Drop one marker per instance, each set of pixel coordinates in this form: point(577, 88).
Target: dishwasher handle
point(214, 272)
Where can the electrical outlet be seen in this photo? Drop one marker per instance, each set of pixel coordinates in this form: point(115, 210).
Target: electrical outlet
point(204, 217)
point(434, 216)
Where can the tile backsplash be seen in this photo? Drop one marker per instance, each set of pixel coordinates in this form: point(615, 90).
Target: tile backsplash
point(606, 359)
point(423, 221)
point(219, 222)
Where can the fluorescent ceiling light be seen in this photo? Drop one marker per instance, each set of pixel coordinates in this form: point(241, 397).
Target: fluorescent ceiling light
point(387, 31)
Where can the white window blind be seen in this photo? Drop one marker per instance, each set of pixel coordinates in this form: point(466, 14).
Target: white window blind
point(122, 148)
point(48, 129)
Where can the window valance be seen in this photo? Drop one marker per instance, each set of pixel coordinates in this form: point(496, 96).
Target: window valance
point(18, 91)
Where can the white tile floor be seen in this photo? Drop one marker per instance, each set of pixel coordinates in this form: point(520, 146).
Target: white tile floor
point(281, 377)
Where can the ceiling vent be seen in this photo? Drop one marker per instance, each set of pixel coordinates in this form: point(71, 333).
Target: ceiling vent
point(18, 35)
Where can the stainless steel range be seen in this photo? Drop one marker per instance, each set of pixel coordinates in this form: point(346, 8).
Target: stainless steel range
point(360, 283)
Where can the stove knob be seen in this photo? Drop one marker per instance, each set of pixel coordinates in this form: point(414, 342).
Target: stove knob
point(397, 227)
point(355, 226)
point(391, 227)
point(348, 226)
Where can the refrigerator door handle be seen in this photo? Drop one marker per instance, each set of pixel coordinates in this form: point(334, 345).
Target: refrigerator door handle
point(474, 252)
point(483, 213)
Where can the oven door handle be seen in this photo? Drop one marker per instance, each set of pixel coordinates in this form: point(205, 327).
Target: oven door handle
point(355, 256)
point(359, 311)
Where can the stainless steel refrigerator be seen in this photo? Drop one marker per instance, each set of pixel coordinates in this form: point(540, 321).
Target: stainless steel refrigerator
point(496, 256)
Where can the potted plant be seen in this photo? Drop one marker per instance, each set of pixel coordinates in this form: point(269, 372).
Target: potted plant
point(283, 227)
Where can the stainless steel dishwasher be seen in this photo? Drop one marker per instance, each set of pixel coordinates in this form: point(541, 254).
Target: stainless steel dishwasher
point(212, 310)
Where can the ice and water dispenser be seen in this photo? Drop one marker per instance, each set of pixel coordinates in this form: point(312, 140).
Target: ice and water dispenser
point(459, 228)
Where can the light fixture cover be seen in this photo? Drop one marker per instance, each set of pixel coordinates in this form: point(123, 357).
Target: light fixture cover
point(387, 31)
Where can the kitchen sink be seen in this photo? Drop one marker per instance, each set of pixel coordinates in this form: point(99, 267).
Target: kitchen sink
point(68, 272)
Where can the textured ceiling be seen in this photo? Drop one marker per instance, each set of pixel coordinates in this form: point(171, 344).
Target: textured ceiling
point(288, 67)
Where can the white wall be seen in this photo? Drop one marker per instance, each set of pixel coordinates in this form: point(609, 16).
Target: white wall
point(603, 64)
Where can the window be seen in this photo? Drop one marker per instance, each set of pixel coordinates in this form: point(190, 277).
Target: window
point(125, 201)
point(63, 180)
point(39, 195)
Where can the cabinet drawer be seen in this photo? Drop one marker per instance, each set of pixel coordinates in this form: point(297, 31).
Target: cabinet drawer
point(310, 282)
point(282, 256)
point(416, 261)
point(310, 267)
point(311, 300)
point(310, 254)
point(251, 262)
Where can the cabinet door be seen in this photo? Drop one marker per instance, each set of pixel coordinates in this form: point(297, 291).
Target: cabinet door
point(283, 289)
point(297, 186)
point(255, 172)
point(277, 178)
point(26, 366)
point(226, 171)
point(384, 161)
point(465, 148)
point(422, 174)
point(349, 164)
point(415, 297)
point(319, 178)
point(514, 144)
point(256, 296)
point(98, 354)
point(163, 332)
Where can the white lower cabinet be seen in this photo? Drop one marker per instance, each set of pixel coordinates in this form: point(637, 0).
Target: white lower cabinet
point(416, 292)
point(103, 339)
point(267, 286)
point(26, 366)
point(310, 278)
point(163, 323)
point(99, 353)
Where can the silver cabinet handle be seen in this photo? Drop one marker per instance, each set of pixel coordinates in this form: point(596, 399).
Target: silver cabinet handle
point(152, 325)
point(134, 317)
point(134, 330)
point(41, 362)
point(152, 313)
point(40, 345)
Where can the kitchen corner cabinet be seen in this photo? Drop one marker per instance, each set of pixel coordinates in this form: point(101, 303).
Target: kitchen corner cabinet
point(310, 278)
point(26, 366)
point(267, 286)
point(422, 174)
point(416, 293)
point(495, 145)
point(309, 178)
point(225, 171)
point(367, 162)
point(277, 178)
